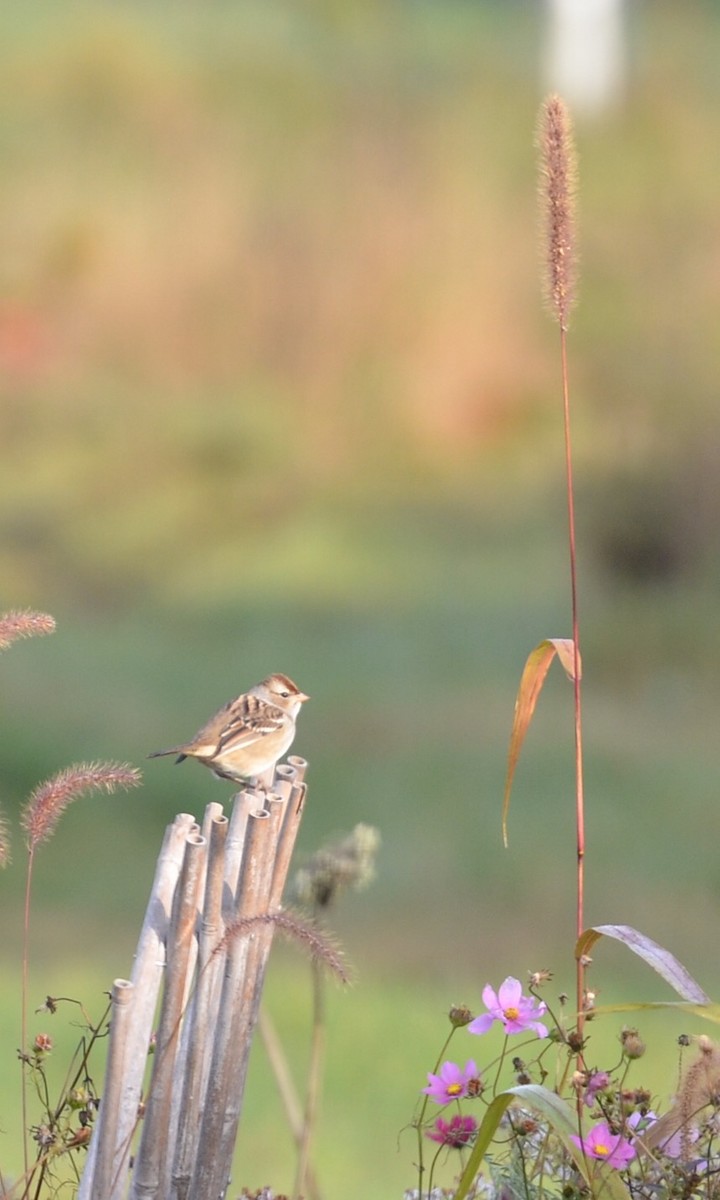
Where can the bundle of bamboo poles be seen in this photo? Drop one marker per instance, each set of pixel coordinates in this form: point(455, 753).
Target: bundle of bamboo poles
point(204, 944)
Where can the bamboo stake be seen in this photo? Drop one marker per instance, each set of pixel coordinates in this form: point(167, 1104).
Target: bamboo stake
point(231, 1050)
point(242, 875)
point(288, 835)
point(116, 1128)
point(152, 1165)
point(299, 766)
point(213, 816)
point(201, 1021)
point(245, 803)
point(122, 997)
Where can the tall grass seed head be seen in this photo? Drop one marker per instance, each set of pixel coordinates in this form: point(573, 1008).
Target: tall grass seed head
point(557, 187)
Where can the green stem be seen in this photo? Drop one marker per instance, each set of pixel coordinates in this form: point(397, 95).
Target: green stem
point(423, 1109)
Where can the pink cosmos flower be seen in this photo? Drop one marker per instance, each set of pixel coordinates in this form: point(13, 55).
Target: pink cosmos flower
point(456, 1132)
point(452, 1082)
point(603, 1144)
point(517, 1012)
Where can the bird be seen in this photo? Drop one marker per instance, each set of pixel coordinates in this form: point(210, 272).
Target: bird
point(246, 737)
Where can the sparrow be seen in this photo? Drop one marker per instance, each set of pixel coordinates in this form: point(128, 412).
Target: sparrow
point(247, 736)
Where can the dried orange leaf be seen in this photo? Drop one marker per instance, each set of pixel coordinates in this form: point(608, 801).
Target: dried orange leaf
point(660, 959)
point(533, 677)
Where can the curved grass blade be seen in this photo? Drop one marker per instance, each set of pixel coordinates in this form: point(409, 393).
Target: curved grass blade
point(555, 1111)
point(661, 960)
point(706, 1012)
point(531, 682)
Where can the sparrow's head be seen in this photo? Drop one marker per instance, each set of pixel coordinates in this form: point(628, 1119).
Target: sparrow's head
point(280, 690)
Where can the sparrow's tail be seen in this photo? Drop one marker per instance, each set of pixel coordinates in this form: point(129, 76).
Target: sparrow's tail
point(175, 750)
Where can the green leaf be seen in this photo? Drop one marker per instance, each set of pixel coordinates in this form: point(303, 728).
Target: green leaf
point(604, 1182)
point(660, 959)
point(555, 1111)
point(531, 682)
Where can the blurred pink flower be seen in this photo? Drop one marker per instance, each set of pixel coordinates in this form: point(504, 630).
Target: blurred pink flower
point(597, 1082)
point(603, 1144)
point(516, 1012)
point(457, 1132)
point(451, 1083)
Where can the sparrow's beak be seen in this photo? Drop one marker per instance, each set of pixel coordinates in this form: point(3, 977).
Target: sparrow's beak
point(302, 697)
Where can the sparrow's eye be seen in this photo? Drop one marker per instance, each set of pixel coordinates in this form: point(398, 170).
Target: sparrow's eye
point(285, 695)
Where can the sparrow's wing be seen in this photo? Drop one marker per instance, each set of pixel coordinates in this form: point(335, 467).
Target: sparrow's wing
point(248, 720)
point(238, 723)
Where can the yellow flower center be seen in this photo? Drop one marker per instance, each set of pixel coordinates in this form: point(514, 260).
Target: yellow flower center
point(454, 1089)
point(511, 1014)
point(601, 1149)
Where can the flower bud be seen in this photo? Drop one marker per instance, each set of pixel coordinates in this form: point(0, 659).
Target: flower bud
point(460, 1015)
point(632, 1044)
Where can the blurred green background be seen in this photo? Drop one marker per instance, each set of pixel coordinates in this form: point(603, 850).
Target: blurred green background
point(278, 393)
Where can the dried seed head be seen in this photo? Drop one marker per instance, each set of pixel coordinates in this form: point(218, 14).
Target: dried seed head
point(538, 978)
point(15, 625)
point(50, 799)
point(349, 862)
point(632, 1044)
point(558, 177)
point(316, 942)
point(459, 1015)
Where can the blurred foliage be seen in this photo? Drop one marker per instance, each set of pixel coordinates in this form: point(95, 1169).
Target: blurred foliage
point(264, 270)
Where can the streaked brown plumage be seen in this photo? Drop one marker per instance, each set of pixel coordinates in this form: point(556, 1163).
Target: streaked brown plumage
point(247, 736)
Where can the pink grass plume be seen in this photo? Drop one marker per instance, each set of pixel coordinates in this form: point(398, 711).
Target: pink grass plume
point(22, 624)
point(50, 799)
point(558, 175)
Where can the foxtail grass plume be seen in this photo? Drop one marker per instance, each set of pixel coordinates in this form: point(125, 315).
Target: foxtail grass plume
point(16, 625)
point(558, 179)
point(319, 946)
point(50, 799)
point(698, 1090)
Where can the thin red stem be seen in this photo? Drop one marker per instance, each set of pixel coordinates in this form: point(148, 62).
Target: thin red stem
point(579, 790)
point(24, 1002)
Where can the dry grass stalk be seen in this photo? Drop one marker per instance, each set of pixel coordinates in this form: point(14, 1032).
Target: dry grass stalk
point(286, 1086)
point(151, 1172)
point(4, 841)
